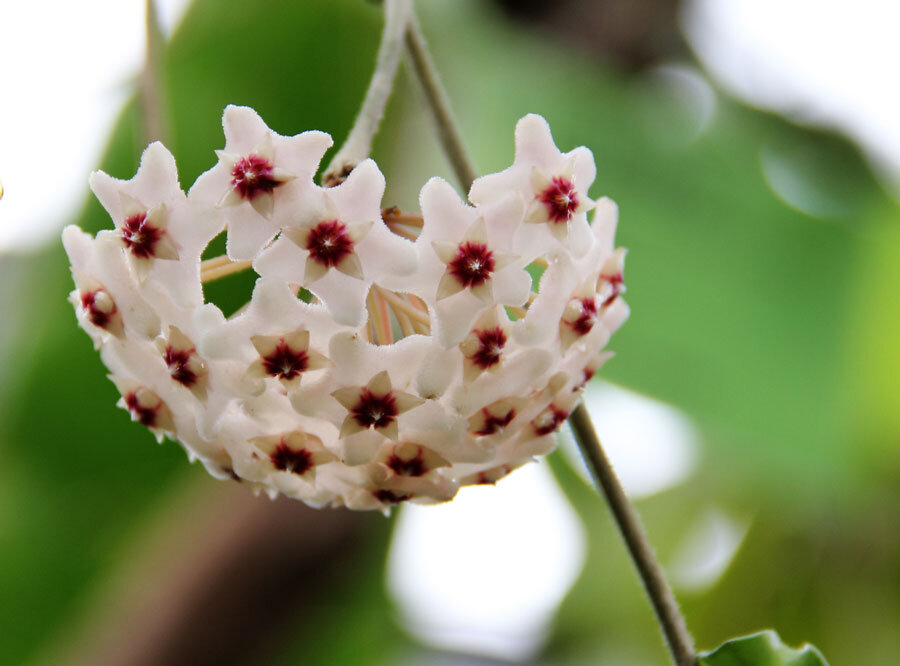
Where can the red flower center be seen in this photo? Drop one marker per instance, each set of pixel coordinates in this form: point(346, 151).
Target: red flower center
point(494, 424)
point(490, 347)
point(549, 420)
point(472, 265)
point(177, 360)
point(616, 281)
point(491, 476)
point(390, 496)
point(329, 242)
point(412, 467)
point(588, 317)
point(143, 415)
point(140, 236)
point(560, 199)
point(376, 411)
point(252, 175)
point(586, 375)
point(284, 362)
point(286, 459)
point(97, 315)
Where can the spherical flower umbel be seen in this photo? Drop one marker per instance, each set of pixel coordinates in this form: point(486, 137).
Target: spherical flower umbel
point(384, 356)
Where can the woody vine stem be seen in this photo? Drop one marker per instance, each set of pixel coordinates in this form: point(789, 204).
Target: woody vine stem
point(671, 621)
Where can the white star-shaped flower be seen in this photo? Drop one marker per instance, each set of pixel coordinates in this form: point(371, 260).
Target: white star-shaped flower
point(260, 179)
point(145, 406)
point(184, 364)
point(107, 297)
point(553, 184)
point(163, 235)
point(338, 246)
point(459, 252)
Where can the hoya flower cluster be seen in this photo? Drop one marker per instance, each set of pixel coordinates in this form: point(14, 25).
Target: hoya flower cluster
point(384, 355)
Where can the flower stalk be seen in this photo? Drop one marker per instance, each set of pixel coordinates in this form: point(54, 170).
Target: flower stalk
point(151, 96)
point(438, 104)
point(219, 267)
point(358, 144)
point(668, 614)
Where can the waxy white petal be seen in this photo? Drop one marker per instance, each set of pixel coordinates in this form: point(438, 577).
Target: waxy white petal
point(350, 265)
point(264, 204)
point(444, 419)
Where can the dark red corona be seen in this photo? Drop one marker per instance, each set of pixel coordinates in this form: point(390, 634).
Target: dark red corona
point(386, 496)
point(253, 175)
point(374, 411)
point(177, 361)
point(549, 420)
point(143, 415)
point(490, 347)
point(472, 265)
point(286, 459)
point(560, 199)
point(412, 467)
point(586, 375)
point(284, 362)
point(328, 242)
point(95, 313)
point(616, 282)
point(140, 236)
point(494, 424)
point(588, 317)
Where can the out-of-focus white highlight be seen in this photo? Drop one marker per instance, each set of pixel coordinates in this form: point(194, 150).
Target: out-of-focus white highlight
point(485, 573)
point(707, 550)
point(794, 184)
point(827, 62)
point(686, 90)
point(68, 67)
point(651, 445)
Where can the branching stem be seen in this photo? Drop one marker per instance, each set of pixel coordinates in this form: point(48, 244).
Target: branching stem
point(358, 144)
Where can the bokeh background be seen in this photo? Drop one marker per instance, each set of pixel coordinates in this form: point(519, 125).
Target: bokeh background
point(753, 407)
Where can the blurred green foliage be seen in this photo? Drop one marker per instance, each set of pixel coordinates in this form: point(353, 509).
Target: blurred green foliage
point(775, 330)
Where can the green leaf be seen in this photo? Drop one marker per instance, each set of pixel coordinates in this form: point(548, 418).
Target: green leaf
point(762, 649)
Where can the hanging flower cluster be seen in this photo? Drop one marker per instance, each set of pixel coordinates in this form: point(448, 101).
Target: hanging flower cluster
point(437, 350)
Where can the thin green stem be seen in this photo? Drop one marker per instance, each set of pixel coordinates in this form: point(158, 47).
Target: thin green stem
point(438, 104)
point(151, 89)
point(674, 628)
point(669, 616)
point(358, 144)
